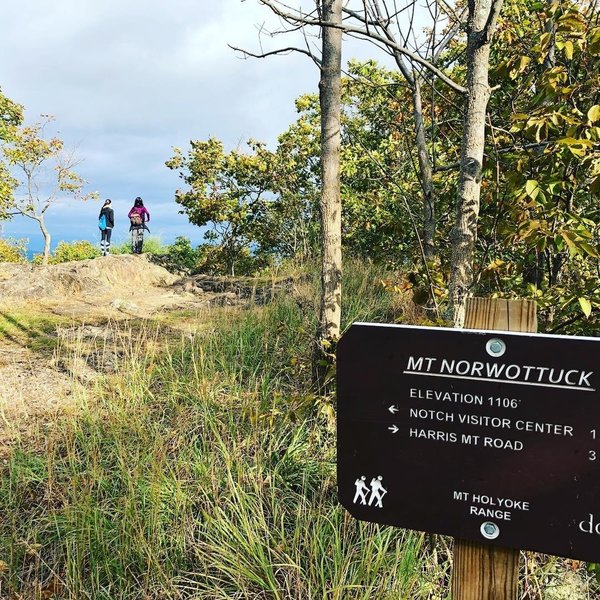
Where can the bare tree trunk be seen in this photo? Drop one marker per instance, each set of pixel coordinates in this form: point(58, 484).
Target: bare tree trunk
point(414, 79)
point(331, 207)
point(47, 240)
point(426, 172)
point(481, 24)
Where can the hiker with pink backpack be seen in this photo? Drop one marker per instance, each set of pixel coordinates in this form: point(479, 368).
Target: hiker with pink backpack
point(138, 217)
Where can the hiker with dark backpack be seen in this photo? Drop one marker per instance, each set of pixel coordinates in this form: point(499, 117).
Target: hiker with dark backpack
point(138, 217)
point(106, 222)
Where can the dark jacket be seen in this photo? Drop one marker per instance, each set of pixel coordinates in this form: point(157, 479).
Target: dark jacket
point(110, 216)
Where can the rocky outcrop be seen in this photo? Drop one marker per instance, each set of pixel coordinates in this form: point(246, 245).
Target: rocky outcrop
point(95, 277)
point(232, 288)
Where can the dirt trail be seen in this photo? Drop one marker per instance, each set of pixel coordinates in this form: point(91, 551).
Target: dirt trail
point(62, 326)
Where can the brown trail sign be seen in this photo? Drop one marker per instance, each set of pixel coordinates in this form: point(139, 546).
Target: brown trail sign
point(489, 436)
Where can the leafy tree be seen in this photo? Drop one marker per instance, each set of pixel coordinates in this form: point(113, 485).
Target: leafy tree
point(254, 200)
point(540, 226)
point(227, 191)
point(379, 187)
point(11, 115)
point(537, 231)
point(46, 174)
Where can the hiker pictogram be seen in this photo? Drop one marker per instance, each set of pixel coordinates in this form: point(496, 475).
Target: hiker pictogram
point(377, 491)
point(361, 490)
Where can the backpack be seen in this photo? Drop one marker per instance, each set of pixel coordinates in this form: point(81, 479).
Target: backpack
point(102, 222)
point(136, 220)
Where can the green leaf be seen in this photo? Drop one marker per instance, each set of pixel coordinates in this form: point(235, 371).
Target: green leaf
point(519, 67)
point(594, 46)
point(532, 188)
point(586, 306)
point(570, 141)
point(589, 249)
point(577, 146)
point(573, 250)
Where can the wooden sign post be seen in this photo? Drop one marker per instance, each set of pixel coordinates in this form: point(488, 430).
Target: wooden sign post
point(488, 572)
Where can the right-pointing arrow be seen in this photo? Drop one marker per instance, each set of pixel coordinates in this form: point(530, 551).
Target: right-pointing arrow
point(393, 429)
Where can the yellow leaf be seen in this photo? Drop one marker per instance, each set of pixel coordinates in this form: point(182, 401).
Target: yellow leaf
point(594, 113)
point(586, 306)
point(569, 49)
point(523, 62)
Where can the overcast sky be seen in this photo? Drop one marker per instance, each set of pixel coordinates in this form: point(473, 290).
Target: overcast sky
point(127, 80)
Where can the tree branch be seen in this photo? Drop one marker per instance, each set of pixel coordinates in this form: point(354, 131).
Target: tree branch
point(450, 167)
point(449, 35)
point(490, 25)
point(282, 51)
point(533, 146)
point(298, 18)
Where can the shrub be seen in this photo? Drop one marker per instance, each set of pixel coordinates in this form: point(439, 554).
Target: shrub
point(182, 255)
point(13, 251)
point(216, 260)
point(152, 245)
point(209, 258)
point(77, 250)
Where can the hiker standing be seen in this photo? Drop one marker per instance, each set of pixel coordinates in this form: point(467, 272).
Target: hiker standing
point(138, 217)
point(106, 222)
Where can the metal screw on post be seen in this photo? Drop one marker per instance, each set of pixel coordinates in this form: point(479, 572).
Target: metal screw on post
point(495, 347)
point(490, 530)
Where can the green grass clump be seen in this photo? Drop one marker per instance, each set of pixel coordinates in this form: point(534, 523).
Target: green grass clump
point(153, 244)
point(202, 471)
point(30, 329)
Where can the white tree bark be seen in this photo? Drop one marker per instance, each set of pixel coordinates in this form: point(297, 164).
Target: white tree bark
point(481, 25)
point(47, 239)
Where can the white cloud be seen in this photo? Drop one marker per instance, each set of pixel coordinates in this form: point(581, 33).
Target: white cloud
point(129, 79)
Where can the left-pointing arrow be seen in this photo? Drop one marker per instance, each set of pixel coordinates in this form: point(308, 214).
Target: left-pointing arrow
point(393, 409)
point(393, 429)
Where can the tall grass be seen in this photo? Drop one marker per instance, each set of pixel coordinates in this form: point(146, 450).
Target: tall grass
point(202, 471)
